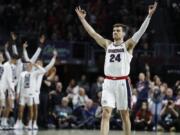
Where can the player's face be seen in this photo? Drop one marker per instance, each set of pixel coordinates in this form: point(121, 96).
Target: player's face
point(118, 33)
point(1, 57)
point(29, 66)
point(14, 61)
point(39, 62)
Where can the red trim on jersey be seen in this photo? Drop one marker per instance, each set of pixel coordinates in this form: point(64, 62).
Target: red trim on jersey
point(116, 78)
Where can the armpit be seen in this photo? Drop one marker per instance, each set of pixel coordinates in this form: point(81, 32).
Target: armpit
point(130, 44)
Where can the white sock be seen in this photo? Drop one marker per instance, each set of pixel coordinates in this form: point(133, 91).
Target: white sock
point(19, 121)
point(2, 120)
point(30, 122)
point(5, 120)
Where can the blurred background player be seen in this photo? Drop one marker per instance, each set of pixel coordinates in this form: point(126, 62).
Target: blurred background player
point(39, 78)
point(39, 82)
point(9, 86)
point(26, 89)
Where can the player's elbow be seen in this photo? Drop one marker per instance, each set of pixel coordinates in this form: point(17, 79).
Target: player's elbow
point(93, 34)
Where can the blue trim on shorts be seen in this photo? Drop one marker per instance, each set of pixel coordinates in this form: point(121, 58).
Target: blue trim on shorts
point(128, 93)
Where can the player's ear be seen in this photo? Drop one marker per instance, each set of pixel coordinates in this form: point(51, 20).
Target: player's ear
point(124, 33)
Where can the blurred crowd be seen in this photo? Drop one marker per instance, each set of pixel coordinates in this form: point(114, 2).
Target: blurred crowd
point(58, 19)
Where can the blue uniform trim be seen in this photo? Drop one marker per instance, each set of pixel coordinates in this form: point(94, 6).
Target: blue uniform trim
point(128, 93)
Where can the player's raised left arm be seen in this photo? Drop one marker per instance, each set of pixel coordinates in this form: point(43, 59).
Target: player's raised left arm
point(131, 43)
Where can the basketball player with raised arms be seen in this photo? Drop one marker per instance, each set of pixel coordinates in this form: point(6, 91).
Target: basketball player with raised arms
point(9, 84)
point(116, 90)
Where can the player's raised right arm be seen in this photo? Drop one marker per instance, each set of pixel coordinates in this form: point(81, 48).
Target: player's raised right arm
point(98, 38)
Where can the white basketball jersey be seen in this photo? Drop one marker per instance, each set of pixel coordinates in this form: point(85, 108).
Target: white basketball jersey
point(117, 60)
point(1, 77)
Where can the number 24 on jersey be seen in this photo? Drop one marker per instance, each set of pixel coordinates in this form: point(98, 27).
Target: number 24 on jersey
point(114, 57)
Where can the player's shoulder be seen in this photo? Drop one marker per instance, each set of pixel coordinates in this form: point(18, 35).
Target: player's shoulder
point(124, 44)
point(129, 42)
point(6, 63)
point(108, 43)
point(19, 61)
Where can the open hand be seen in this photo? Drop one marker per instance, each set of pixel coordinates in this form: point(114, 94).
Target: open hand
point(152, 8)
point(25, 45)
point(55, 53)
point(6, 45)
point(80, 12)
point(13, 36)
point(42, 39)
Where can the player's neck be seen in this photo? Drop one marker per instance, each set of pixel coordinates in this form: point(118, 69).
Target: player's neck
point(28, 71)
point(11, 62)
point(118, 42)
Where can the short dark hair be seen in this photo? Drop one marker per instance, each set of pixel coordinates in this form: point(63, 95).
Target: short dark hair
point(124, 27)
point(40, 59)
point(26, 62)
point(15, 56)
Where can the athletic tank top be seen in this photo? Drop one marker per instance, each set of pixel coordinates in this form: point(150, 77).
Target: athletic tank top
point(117, 60)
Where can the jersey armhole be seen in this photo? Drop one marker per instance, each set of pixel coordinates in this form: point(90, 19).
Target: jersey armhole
point(127, 50)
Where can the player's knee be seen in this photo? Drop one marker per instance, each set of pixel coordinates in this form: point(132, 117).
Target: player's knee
point(125, 116)
point(106, 114)
point(9, 106)
point(9, 109)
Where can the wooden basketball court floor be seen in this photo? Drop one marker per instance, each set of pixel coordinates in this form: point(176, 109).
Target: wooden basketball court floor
point(77, 132)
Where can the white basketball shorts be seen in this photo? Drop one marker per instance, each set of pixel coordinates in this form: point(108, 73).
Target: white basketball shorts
point(36, 99)
point(25, 100)
point(116, 93)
